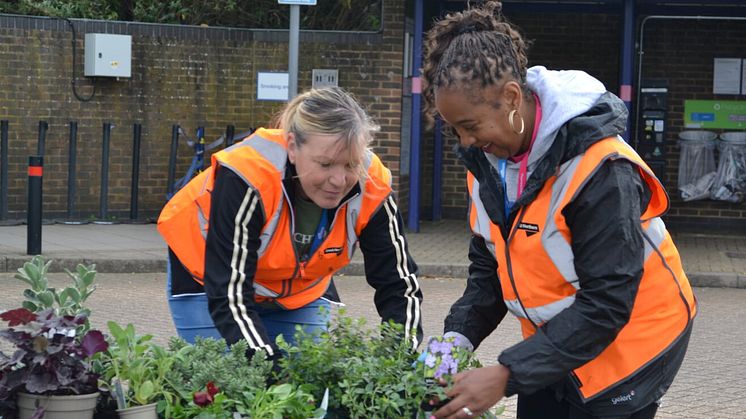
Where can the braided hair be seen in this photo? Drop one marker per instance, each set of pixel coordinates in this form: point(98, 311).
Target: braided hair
point(474, 49)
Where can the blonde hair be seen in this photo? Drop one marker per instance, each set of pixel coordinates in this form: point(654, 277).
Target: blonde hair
point(329, 111)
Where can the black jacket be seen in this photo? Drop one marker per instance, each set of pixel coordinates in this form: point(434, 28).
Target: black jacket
point(604, 215)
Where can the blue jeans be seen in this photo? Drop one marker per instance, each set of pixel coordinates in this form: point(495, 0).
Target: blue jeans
point(192, 317)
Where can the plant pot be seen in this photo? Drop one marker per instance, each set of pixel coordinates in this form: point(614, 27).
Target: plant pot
point(76, 406)
point(139, 412)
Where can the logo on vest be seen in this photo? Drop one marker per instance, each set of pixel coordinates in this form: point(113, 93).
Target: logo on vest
point(624, 398)
point(530, 229)
point(337, 250)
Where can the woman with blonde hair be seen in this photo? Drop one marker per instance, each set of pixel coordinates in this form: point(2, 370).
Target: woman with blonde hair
point(283, 211)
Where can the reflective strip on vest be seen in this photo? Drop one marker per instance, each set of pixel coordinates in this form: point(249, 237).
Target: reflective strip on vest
point(204, 221)
point(277, 156)
point(480, 221)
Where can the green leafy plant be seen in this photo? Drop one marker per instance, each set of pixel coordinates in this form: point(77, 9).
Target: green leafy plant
point(371, 372)
point(70, 301)
point(281, 401)
point(368, 371)
point(212, 361)
point(133, 370)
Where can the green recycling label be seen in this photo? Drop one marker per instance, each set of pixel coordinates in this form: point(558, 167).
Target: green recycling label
point(725, 114)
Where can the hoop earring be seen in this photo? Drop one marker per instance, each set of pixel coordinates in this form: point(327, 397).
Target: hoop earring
point(511, 116)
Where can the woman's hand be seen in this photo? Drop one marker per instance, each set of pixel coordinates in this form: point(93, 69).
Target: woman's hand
point(474, 392)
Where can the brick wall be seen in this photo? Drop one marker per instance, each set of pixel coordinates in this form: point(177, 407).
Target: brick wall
point(682, 52)
point(206, 76)
point(186, 75)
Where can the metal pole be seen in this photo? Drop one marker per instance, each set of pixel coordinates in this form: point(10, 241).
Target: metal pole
point(627, 63)
point(413, 218)
point(230, 131)
point(103, 202)
point(172, 160)
point(135, 170)
point(3, 169)
point(72, 162)
point(43, 126)
point(33, 228)
point(293, 51)
point(438, 171)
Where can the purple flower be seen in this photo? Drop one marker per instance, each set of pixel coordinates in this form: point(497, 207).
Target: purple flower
point(430, 360)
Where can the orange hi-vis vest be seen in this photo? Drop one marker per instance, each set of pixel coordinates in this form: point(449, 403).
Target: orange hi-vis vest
point(261, 160)
point(538, 278)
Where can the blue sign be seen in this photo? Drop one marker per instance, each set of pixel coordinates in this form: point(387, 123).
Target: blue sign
point(703, 117)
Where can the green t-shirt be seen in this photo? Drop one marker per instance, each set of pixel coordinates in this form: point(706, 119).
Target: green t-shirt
point(307, 217)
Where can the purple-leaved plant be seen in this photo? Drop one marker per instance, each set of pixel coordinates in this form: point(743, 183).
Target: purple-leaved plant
point(50, 358)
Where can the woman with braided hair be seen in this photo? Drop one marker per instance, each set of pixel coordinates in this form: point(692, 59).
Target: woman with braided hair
point(567, 233)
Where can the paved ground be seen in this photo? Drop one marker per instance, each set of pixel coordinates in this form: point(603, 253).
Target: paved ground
point(439, 248)
point(709, 386)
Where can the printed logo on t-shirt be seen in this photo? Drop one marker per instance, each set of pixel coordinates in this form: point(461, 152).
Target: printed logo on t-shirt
point(301, 238)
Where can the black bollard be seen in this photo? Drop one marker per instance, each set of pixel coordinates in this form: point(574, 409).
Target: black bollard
point(43, 126)
point(71, 177)
point(33, 228)
point(230, 131)
point(136, 133)
point(3, 169)
point(172, 161)
point(103, 216)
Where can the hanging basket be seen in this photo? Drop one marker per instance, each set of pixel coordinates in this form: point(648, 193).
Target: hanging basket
point(77, 406)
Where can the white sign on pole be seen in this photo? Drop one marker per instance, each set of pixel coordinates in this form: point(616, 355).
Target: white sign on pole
point(272, 86)
point(298, 2)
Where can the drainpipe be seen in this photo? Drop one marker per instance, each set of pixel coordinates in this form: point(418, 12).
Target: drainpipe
point(641, 52)
point(628, 61)
point(413, 219)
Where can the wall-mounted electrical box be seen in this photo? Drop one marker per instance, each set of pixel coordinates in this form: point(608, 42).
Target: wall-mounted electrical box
point(108, 55)
point(324, 78)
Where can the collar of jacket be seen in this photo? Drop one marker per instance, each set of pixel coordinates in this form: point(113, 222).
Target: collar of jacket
point(607, 118)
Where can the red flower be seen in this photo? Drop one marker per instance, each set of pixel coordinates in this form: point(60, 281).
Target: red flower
point(212, 389)
point(204, 398)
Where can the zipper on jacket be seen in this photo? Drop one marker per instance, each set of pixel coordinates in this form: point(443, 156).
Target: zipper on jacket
point(334, 221)
point(513, 229)
point(576, 380)
point(300, 266)
point(284, 292)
